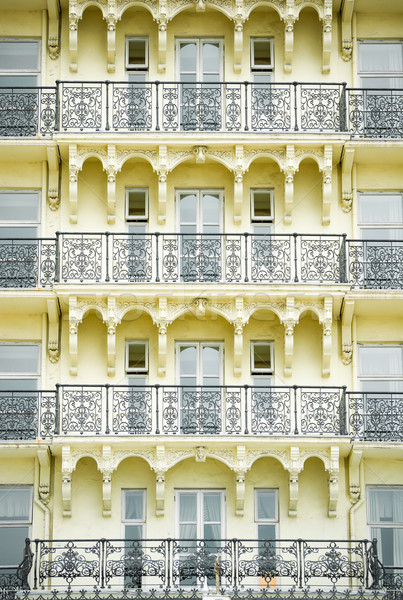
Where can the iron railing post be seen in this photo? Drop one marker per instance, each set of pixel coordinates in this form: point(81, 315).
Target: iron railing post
point(295, 235)
point(157, 409)
point(57, 106)
point(246, 387)
point(300, 562)
point(107, 277)
point(107, 429)
point(295, 387)
point(37, 556)
point(343, 259)
point(235, 550)
point(246, 256)
point(343, 416)
point(157, 257)
point(57, 409)
point(343, 108)
point(157, 106)
point(246, 106)
point(294, 83)
point(107, 126)
point(57, 257)
point(169, 562)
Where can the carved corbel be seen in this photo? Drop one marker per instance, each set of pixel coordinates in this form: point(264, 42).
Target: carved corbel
point(111, 324)
point(199, 306)
point(326, 36)
point(73, 38)
point(53, 177)
point(44, 474)
point(159, 493)
point(200, 454)
point(111, 171)
point(200, 5)
point(106, 471)
point(327, 184)
point(53, 330)
point(67, 470)
point(238, 42)
point(73, 182)
point(347, 313)
point(162, 324)
point(200, 153)
point(162, 183)
point(111, 42)
point(289, 172)
point(162, 43)
point(74, 319)
point(289, 323)
point(240, 494)
point(333, 481)
point(53, 28)
point(239, 172)
point(347, 162)
point(289, 19)
point(293, 482)
point(239, 324)
point(327, 336)
point(346, 29)
point(354, 463)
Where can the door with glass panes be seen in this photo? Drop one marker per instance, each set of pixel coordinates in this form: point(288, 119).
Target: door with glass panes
point(200, 367)
point(200, 224)
point(200, 529)
point(200, 66)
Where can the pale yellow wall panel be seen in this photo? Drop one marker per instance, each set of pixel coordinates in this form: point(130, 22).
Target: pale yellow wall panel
point(18, 328)
point(372, 26)
point(17, 471)
point(21, 24)
point(388, 177)
point(307, 210)
point(379, 330)
point(91, 198)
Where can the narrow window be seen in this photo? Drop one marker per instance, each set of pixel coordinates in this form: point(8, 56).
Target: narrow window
point(15, 521)
point(137, 59)
point(385, 520)
point(136, 357)
point(262, 59)
point(134, 520)
point(137, 204)
point(19, 214)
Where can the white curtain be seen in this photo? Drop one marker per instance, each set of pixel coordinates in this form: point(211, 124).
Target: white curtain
point(134, 505)
point(15, 504)
point(386, 506)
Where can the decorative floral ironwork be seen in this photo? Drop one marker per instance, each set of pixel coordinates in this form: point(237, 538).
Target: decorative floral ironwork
point(322, 107)
point(200, 410)
point(81, 409)
point(18, 415)
point(201, 106)
point(70, 561)
point(376, 416)
point(27, 263)
point(376, 264)
point(81, 106)
point(270, 107)
point(197, 562)
point(270, 411)
point(131, 257)
point(376, 113)
point(320, 410)
point(81, 257)
point(267, 560)
point(335, 562)
point(271, 258)
point(131, 409)
point(320, 258)
point(131, 106)
point(134, 560)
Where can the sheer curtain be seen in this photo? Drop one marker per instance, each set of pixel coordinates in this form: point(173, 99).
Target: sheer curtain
point(386, 506)
point(15, 504)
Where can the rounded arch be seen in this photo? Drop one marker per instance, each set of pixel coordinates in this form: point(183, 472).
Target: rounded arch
point(133, 454)
point(265, 307)
point(189, 308)
point(90, 3)
point(316, 455)
point(305, 310)
point(141, 155)
point(265, 4)
point(208, 158)
point(219, 458)
point(268, 155)
point(280, 458)
point(309, 5)
point(143, 308)
point(95, 308)
point(88, 454)
point(189, 6)
point(91, 154)
point(149, 6)
point(310, 155)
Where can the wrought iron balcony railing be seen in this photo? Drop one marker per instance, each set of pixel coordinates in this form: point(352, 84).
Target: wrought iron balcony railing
point(74, 106)
point(222, 564)
point(200, 258)
point(200, 410)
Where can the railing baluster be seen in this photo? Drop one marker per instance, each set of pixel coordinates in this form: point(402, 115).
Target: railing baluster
point(157, 107)
point(295, 235)
point(295, 84)
point(157, 410)
point(107, 83)
point(107, 388)
point(157, 257)
point(246, 387)
point(295, 387)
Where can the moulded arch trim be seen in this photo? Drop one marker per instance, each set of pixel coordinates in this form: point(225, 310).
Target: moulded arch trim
point(132, 455)
point(137, 154)
point(190, 5)
point(317, 159)
point(81, 159)
point(310, 5)
point(313, 454)
point(268, 155)
point(217, 457)
point(96, 459)
point(212, 309)
point(136, 306)
point(314, 309)
point(282, 460)
point(83, 7)
point(100, 310)
point(140, 4)
point(266, 307)
point(266, 5)
point(220, 160)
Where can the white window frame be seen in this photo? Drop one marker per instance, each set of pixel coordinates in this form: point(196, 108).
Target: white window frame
point(126, 521)
point(23, 72)
point(257, 219)
point(383, 524)
point(259, 68)
point(142, 218)
point(380, 376)
point(364, 225)
point(200, 521)
point(24, 375)
point(18, 523)
point(275, 519)
point(199, 193)
point(199, 43)
point(143, 68)
point(263, 371)
point(23, 222)
point(138, 371)
point(199, 344)
point(377, 74)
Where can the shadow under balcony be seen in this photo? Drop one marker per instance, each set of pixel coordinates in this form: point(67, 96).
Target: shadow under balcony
point(130, 258)
point(122, 107)
point(278, 411)
point(177, 567)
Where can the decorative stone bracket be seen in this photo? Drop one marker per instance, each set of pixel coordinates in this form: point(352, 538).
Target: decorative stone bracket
point(289, 323)
point(333, 481)
point(53, 28)
point(53, 177)
point(346, 29)
point(107, 469)
point(290, 169)
point(239, 173)
point(44, 474)
point(53, 330)
point(327, 335)
point(111, 322)
point(112, 168)
point(354, 465)
point(347, 313)
point(162, 183)
point(293, 483)
point(239, 323)
point(327, 184)
point(67, 470)
point(75, 317)
point(347, 162)
point(74, 169)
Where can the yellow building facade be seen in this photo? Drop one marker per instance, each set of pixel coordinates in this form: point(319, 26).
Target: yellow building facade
point(201, 333)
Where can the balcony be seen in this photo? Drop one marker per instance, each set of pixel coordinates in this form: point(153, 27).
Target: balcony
point(223, 565)
point(279, 411)
point(120, 107)
point(123, 258)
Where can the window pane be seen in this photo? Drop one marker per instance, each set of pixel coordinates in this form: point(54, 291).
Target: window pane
point(18, 358)
point(19, 206)
point(261, 356)
point(212, 508)
point(188, 360)
point(15, 503)
point(137, 53)
point(188, 208)
point(188, 508)
point(15, 81)
point(137, 356)
point(134, 505)
point(261, 204)
point(18, 56)
point(137, 203)
point(266, 504)
point(188, 532)
point(381, 233)
point(187, 57)
point(18, 384)
point(211, 361)
point(381, 57)
point(382, 208)
point(211, 57)
point(134, 532)
point(381, 360)
point(266, 532)
point(211, 209)
point(262, 53)
point(386, 505)
point(12, 544)
point(390, 545)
